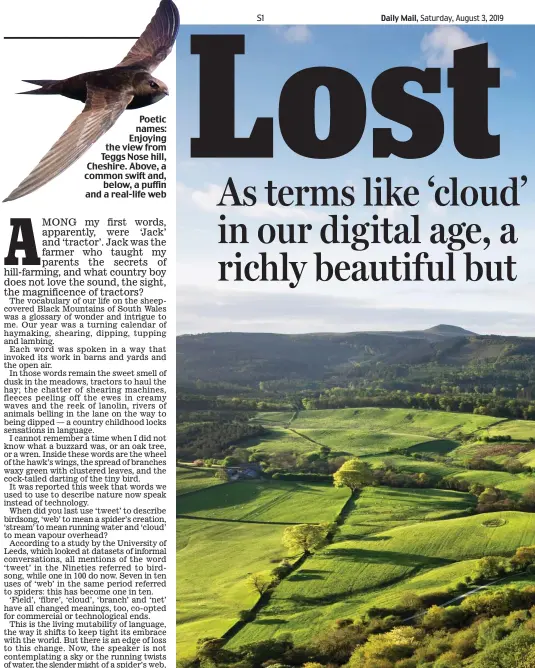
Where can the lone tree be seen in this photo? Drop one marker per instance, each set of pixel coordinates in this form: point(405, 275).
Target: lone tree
point(306, 538)
point(260, 583)
point(222, 475)
point(354, 474)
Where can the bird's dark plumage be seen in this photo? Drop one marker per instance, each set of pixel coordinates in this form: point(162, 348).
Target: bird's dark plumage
point(156, 42)
point(106, 94)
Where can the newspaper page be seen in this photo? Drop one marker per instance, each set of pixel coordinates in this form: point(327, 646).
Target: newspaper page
point(308, 228)
point(88, 240)
point(355, 335)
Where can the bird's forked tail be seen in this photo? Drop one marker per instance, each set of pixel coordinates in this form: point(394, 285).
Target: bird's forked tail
point(48, 87)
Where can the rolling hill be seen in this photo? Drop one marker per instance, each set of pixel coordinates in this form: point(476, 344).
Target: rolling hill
point(402, 360)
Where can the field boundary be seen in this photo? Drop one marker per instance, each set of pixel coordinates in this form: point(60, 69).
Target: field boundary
point(265, 598)
point(223, 519)
point(202, 489)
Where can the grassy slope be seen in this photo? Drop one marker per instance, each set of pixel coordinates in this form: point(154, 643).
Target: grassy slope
point(388, 545)
point(350, 575)
point(358, 441)
point(413, 465)
point(510, 482)
point(269, 501)
point(212, 563)
point(193, 480)
point(519, 430)
point(381, 508)
point(280, 439)
point(528, 458)
point(366, 431)
point(437, 424)
point(215, 559)
point(341, 441)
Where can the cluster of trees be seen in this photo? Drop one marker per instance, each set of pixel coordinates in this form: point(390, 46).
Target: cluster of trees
point(510, 465)
point(239, 399)
point(318, 465)
point(355, 473)
point(322, 466)
point(301, 540)
point(491, 499)
point(391, 477)
point(491, 567)
point(493, 629)
point(479, 404)
point(507, 378)
point(211, 434)
point(285, 461)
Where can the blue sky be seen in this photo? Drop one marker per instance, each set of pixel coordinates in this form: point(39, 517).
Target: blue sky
point(272, 55)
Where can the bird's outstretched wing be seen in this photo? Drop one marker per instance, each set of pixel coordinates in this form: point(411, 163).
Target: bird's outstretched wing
point(156, 42)
point(102, 108)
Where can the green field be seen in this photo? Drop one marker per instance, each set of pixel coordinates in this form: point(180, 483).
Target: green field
point(437, 424)
point(366, 431)
point(349, 575)
point(518, 430)
point(269, 501)
point(381, 508)
point(358, 442)
point(510, 482)
point(528, 458)
point(278, 439)
point(437, 447)
point(392, 540)
point(341, 441)
point(193, 480)
point(412, 465)
point(213, 562)
point(238, 533)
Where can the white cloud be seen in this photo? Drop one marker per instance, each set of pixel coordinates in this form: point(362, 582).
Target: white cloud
point(209, 198)
point(216, 309)
point(439, 44)
point(295, 34)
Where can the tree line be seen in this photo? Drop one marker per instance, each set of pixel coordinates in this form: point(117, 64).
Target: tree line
point(478, 404)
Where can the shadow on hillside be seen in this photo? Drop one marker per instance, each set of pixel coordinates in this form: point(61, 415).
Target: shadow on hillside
point(440, 447)
point(322, 599)
point(430, 500)
point(308, 574)
point(238, 494)
point(253, 441)
point(375, 539)
point(388, 557)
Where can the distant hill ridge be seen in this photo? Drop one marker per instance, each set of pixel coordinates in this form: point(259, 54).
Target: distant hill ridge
point(249, 358)
point(450, 330)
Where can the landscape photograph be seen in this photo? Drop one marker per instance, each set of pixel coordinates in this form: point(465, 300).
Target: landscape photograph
point(363, 499)
point(355, 454)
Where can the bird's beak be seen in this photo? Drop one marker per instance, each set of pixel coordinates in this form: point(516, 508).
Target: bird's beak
point(166, 92)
